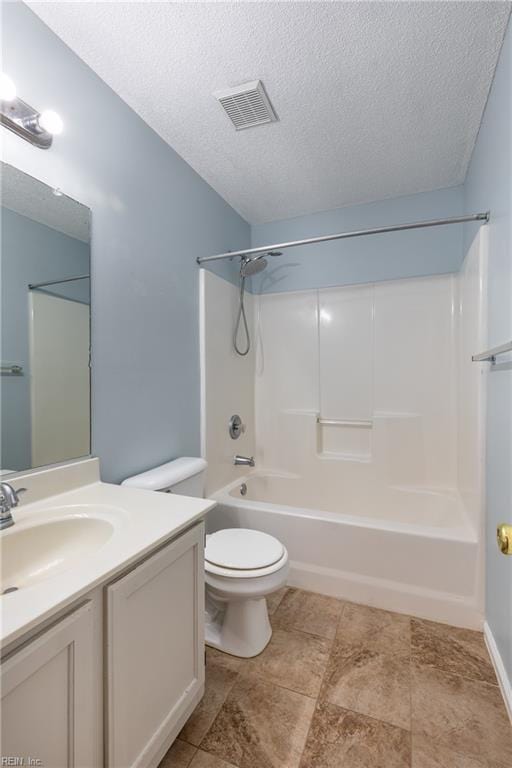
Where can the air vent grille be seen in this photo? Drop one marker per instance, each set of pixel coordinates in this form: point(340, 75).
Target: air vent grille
point(247, 105)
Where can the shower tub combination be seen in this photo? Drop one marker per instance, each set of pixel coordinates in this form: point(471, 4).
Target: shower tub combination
point(403, 549)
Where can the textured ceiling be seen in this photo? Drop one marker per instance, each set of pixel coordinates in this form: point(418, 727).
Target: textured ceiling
point(30, 197)
point(374, 100)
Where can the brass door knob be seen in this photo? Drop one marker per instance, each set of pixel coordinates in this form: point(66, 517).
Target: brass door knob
point(504, 535)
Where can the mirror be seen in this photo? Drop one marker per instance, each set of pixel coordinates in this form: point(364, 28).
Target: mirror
point(45, 324)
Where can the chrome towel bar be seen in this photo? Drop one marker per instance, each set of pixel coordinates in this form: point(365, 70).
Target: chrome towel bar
point(11, 369)
point(490, 355)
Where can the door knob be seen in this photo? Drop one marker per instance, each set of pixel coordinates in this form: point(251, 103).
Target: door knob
point(504, 535)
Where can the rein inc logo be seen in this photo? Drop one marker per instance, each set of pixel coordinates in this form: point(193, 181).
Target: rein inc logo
point(20, 761)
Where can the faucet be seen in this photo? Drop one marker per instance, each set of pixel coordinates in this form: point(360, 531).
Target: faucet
point(8, 499)
point(244, 461)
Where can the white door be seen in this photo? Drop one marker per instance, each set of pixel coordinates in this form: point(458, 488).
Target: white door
point(155, 652)
point(59, 369)
point(48, 697)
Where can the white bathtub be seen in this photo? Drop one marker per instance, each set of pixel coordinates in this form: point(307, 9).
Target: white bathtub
point(403, 549)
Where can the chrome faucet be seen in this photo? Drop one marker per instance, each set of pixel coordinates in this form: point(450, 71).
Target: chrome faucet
point(8, 499)
point(244, 461)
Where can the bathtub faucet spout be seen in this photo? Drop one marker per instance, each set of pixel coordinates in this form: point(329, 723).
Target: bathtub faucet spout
point(244, 461)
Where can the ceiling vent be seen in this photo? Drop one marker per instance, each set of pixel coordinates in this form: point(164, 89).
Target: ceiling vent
point(247, 105)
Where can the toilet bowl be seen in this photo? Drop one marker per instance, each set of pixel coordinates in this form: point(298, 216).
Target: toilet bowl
point(242, 567)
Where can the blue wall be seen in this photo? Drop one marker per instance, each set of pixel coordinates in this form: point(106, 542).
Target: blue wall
point(489, 184)
point(30, 253)
point(152, 215)
point(362, 260)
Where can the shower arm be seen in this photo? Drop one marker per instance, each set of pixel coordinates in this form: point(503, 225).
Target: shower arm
point(484, 217)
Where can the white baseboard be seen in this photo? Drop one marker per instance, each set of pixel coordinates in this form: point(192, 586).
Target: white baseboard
point(499, 668)
point(388, 595)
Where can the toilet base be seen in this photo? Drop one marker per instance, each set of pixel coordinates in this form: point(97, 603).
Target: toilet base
point(240, 627)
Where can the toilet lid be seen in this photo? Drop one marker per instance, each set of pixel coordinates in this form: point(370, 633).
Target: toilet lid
point(242, 549)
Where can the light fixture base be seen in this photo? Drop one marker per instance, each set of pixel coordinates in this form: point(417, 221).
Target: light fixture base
point(21, 119)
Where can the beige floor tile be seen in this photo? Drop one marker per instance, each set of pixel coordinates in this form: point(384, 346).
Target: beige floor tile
point(180, 755)
point(308, 612)
point(428, 754)
point(373, 628)
point(293, 660)
point(274, 599)
point(463, 715)
point(260, 725)
point(371, 683)
point(205, 760)
point(339, 738)
point(450, 649)
point(221, 673)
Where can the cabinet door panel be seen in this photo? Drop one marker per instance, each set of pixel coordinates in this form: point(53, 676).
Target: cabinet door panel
point(155, 649)
point(48, 692)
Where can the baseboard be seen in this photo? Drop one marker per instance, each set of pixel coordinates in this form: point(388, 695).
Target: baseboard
point(499, 668)
point(388, 595)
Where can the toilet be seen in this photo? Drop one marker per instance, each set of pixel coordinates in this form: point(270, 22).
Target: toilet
point(242, 566)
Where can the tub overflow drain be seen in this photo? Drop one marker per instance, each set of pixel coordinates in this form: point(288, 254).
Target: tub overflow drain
point(9, 589)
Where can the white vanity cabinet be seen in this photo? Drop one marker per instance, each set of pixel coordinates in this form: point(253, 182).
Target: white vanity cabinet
point(111, 682)
point(155, 652)
point(48, 696)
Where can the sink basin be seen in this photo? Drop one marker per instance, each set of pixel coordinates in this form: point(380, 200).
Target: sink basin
point(32, 553)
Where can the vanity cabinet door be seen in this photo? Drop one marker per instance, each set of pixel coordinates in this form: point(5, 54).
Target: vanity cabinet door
point(48, 697)
point(155, 652)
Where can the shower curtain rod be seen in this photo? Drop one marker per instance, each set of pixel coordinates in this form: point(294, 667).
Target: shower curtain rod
point(344, 235)
point(33, 286)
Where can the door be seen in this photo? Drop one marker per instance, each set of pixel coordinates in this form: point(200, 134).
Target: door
point(48, 696)
point(155, 651)
point(59, 384)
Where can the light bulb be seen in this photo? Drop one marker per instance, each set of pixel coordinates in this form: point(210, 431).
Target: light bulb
point(7, 88)
point(50, 121)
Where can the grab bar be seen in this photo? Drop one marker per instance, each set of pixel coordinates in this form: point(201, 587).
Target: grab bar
point(344, 423)
point(490, 355)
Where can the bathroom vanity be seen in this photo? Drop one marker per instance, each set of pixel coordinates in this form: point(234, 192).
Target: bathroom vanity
point(102, 635)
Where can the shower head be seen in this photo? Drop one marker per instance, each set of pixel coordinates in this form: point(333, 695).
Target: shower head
point(250, 267)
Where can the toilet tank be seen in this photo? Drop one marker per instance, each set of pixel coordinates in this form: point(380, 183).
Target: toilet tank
point(185, 476)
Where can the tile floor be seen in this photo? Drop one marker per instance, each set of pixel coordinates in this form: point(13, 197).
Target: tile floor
point(345, 686)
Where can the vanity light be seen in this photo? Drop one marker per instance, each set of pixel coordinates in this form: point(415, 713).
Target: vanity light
point(50, 121)
point(7, 88)
point(36, 127)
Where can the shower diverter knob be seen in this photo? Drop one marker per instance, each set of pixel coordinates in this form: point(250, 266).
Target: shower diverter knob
point(236, 428)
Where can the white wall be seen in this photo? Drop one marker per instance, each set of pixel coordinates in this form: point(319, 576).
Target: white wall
point(227, 379)
point(383, 353)
point(471, 389)
point(59, 378)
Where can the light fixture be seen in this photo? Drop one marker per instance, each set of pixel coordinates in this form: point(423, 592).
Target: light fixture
point(7, 88)
point(50, 121)
point(36, 127)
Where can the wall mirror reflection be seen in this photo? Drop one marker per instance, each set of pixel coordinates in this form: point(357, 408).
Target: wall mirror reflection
point(45, 324)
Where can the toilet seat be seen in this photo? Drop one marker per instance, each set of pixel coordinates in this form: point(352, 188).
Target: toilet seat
point(243, 553)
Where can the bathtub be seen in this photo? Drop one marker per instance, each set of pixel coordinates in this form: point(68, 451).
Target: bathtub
point(410, 550)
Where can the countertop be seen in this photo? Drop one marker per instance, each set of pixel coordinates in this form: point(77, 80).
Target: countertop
point(142, 521)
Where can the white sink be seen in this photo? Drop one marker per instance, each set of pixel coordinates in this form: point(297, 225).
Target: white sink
point(32, 553)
